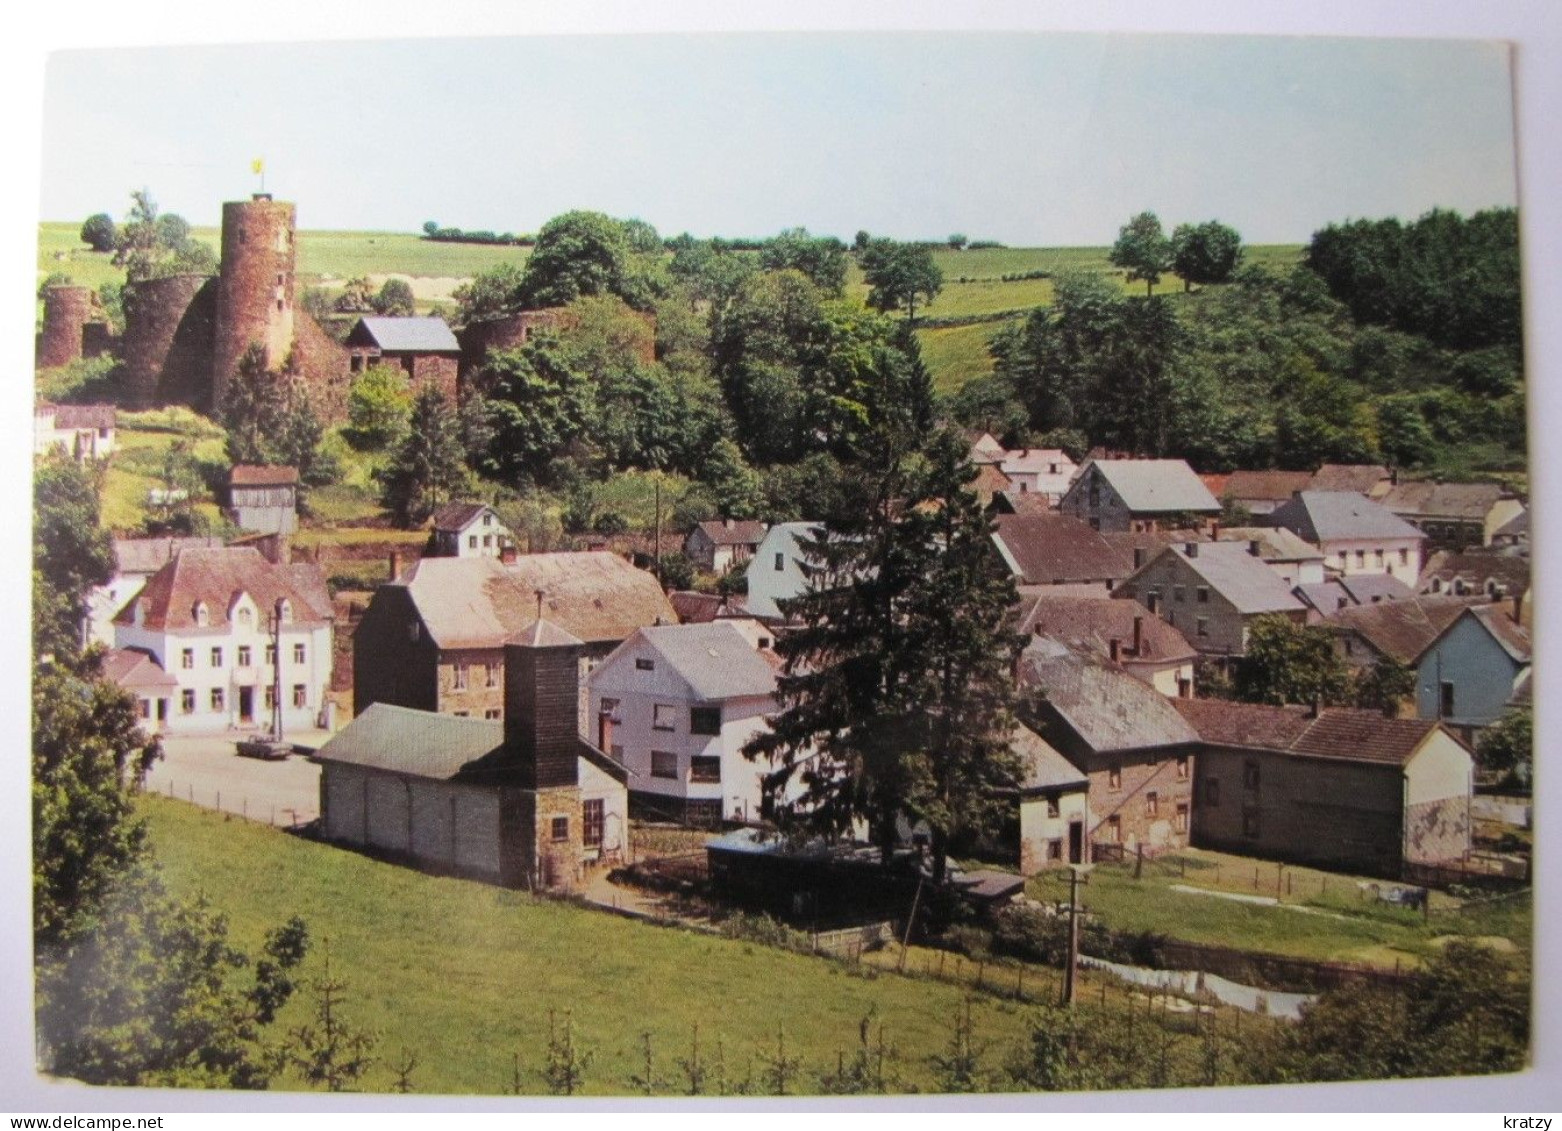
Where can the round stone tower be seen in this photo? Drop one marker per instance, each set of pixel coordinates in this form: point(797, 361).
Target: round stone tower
point(66, 311)
point(167, 346)
point(255, 288)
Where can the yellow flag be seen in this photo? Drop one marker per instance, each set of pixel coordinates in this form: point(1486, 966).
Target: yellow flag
point(257, 166)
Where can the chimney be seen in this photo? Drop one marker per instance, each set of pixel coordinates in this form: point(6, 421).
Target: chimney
point(1138, 636)
point(605, 731)
point(1518, 607)
point(1252, 548)
point(1340, 602)
point(395, 565)
point(1316, 707)
point(542, 704)
point(1191, 549)
point(727, 522)
point(1139, 553)
point(1115, 647)
point(1214, 531)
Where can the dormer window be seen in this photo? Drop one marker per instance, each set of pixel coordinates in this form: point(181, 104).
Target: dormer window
point(246, 617)
point(202, 614)
point(285, 610)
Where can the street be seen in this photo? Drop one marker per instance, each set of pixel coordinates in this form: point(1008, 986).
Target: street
point(208, 771)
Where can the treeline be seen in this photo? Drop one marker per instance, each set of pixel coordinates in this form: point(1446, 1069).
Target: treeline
point(1279, 369)
point(433, 231)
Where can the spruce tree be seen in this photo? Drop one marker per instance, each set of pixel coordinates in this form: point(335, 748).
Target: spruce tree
point(428, 469)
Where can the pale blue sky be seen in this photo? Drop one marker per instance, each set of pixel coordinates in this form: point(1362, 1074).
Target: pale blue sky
point(1030, 139)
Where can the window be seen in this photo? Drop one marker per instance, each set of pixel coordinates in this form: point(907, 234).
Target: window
point(1445, 700)
point(216, 657)
point(298, 653)
point(1201, 626)
point(702, 814)
point(664, 716)
point(1250, 775)
point(1361, 559)
point(609, 707)
point(664, 765)
point(246, 656)
point(704, 720)
point(1180, 821)
point(488, 519)
point(488, 541)
point(780, 561)
point(300, 694)
point(246, 617)
point(1250, 825)
point(219, 701)
point(560, 830)
point(1054, 850)
point(1114, 777)
point(1114, 829)
point(144, 708)
point(1203, 594)
point(1152, 804)
point(186, 701)
point(460, 675)
point(271, 698)
point(644, 665)
point(703, 768)
point(1404, 557)
point(490, 675)
point(187, 658)
point(1052, 807)
point(285, 610)
point(202, 615)
point(271, 655)
point(1377, 557)
point(1179, 593)
point(1182, 768)
point(1212, 793)
point(592, 819)
point(491, 713)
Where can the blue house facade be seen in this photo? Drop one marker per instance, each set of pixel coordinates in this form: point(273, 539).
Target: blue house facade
point(1466, 676)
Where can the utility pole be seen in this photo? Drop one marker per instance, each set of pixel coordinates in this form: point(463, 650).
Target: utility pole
point(276, 670)
point(658, 532)
point(1077, 874)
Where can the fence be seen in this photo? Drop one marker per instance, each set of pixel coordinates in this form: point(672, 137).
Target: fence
point(237, 805)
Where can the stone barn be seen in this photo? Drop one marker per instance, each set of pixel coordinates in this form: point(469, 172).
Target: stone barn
point(525, 803)
point(423, 348)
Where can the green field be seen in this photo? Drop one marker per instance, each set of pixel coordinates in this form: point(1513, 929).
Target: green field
point(1340, 922)
point(464, 974)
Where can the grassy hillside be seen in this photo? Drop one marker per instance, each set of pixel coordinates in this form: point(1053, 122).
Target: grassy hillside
point(464, 974)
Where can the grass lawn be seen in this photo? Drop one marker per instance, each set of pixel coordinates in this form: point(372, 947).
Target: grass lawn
point(1350, 926)
point(464, 974)
point(958, 354)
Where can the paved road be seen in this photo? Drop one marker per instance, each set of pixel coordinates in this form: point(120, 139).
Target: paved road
point(208, 772)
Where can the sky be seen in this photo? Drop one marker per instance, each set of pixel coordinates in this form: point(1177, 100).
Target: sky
point(1031, 139)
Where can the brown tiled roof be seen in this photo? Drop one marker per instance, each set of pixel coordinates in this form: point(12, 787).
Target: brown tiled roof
point(455, 516)
point(1056, 548)
point(84, 416)
point(1335, 732)
point(1215, 482)
point(134, 669)
point(253, 475)
point(1401, 630)
point(1512, 636)
point(1095, 621)
point(1152, 542)
point(702, 608)
point(741, 532)
point(1363, 478)
point(1026, 502)
point(1475, 570)
point(479, 602)
point(1276, 486)
point(990, 480)
point(216, 577)
point(1469, 501)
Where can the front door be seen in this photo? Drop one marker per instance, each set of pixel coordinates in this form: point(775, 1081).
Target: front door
point(246, 704)
point(1076, 842)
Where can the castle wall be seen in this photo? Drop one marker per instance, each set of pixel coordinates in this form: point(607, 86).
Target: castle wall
point(66, 311)
point(168, 340)
point(509, 332)
point(324, 363)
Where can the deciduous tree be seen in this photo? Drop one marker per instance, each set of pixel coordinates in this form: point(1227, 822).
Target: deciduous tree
point(1205, 253)
point(1143, 250)
point(898, 274)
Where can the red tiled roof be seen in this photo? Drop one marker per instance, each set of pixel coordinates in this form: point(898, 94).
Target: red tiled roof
point(252, 475)
point(1277, 486)
point(216, 577)
point(1058, 548)
point(1335, 732)
point(737, 532)
point(1401, 630)
point(1095, 621)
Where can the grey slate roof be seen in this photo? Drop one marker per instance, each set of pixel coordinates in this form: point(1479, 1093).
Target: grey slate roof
point(1361, 589)
point(1042, 767)
point(1250, 585)
point(1469, 501)
point(410, 335)
point(715, 659)
point(1328, 516)
point(1275, 543)
point(148, 555)
point(422, 743)
point(1156, 486)
point(1105, 706)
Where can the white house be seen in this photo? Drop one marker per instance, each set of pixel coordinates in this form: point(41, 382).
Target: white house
point(676, 704)
point(135, 560)
point(1039, 471)
point(776, 571)
point(718, 545)
point(207, 618)
point(468, 530)
point(1355, 535)
point(81, 431)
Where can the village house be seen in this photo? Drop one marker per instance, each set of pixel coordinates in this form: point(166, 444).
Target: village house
point(1260, 492)
point(1454, 515)
point(675, 704)
point(1335, 788)
point(1212, 592)
point(423, 348)
point(986, 450)
point(82, 431)
point(155, 691)
point(1467, 675)
point(1294, 561)
point(718, 545)
point(1057, 549)
point(703, 608)
point(1369, 479)
point(263, 499)
point(1356, 535)
point(1138, 494)
point(1039, 471)
point(1115, 629)
point(231, 628)
point(468, 530)
point(433, 638)
point(525, 803)
point(1497, 576)
point(776, 572)
point(1393, 630)
point(135, 560)
point(1054, 805)
point(1513, 535)
point(1133, 747)
point(1324, 598)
